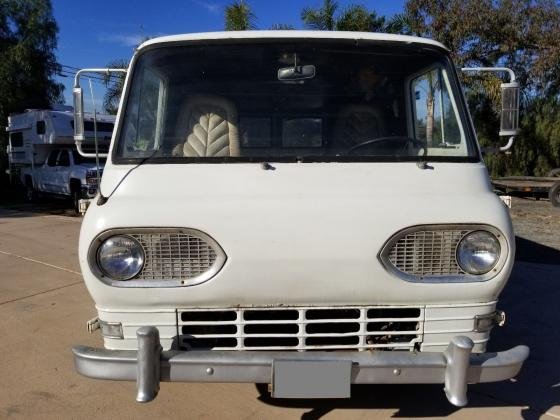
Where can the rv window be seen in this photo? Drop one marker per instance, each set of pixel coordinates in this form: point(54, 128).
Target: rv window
point(16, 139)
point(52, 158)
point(40, 127)
point(64, 158)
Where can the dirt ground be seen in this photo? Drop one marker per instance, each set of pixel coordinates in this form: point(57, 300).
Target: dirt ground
point(536, 220)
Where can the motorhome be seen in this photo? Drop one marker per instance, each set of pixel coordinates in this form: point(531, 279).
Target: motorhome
point(303, 210)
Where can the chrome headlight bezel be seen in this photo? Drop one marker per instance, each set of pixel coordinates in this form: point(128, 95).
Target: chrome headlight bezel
point(461, 276)
point(154, 282)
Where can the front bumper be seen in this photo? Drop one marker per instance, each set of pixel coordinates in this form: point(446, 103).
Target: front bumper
point(456, 367)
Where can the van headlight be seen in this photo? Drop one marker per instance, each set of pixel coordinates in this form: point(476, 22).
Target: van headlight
point(478, 252)
point(120, 257)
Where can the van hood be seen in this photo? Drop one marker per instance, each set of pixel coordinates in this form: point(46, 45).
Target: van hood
point(306, 233)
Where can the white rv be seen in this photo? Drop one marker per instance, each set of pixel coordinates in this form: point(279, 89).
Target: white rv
point(300, 209)
point(42, 155)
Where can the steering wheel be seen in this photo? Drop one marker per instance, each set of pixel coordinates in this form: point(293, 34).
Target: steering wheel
point(406, 139)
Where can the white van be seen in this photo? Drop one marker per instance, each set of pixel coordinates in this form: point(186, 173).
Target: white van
point(305, 210)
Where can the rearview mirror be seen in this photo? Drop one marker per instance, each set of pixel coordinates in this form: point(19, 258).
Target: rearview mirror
point(509, 119)
point(79, 134)
point(296, 73)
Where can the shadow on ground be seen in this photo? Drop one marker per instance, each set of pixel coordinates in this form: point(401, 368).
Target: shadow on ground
point(531, 301)
point(13, 204)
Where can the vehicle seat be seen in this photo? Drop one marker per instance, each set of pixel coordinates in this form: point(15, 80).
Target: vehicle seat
point(209, 126)
point(358, 123)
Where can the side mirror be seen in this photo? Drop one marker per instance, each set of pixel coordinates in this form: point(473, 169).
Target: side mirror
point(509, 116)
point(509, 121)
point(79, 134)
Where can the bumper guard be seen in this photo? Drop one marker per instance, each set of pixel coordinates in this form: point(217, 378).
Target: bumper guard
point(455, 368)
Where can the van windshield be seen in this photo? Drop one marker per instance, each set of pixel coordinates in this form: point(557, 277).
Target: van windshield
point(311, 100)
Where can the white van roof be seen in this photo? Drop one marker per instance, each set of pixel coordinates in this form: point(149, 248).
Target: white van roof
point(370, 36)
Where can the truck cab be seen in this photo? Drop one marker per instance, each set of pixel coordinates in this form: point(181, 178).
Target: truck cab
point(302, 209)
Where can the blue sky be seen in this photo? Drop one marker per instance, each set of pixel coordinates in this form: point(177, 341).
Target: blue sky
point(91, 34)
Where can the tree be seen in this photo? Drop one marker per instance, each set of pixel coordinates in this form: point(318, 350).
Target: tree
point(281, 27)
point(355, 17)
point(321, 18)
point(114, 84)
point(28, 39)
point(521, 34)
point(239, 17)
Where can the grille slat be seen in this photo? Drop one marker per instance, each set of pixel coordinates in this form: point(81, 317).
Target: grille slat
point(358, 328)
point(425, 253)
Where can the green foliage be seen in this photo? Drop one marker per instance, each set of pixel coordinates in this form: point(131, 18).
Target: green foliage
point(356, 17)
point(321, 18)
point(521, 34)
point(114, 84)
point(239, 17)
point(281, 27)
point(28, 39)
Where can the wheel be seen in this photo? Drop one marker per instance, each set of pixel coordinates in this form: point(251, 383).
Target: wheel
point(554, 173)
point(554, 194)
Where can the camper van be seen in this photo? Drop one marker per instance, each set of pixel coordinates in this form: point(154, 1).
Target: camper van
point(302, 210)
point(43, 158)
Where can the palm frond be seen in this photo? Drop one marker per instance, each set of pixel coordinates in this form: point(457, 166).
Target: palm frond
point(239, 17)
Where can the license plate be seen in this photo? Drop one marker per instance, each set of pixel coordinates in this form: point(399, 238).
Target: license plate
point(311, 379)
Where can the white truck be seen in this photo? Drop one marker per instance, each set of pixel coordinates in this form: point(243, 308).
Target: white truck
point(303, 210)
point(43, 158)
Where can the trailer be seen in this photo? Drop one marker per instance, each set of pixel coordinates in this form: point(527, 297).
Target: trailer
point(530, 186)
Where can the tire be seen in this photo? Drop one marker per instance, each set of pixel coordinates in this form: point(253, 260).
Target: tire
point(30, 194)
point(555, 173)
point(76, 197)
point(554, 194)
point(262, 389)
point(76, 194)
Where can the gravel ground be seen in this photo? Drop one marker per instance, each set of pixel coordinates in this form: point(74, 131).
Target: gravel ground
point(535, 221)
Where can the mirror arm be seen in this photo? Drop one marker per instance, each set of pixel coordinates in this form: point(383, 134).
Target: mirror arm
point(79, 140)
point(508, 145)
point(493, 70)
point(491, 150)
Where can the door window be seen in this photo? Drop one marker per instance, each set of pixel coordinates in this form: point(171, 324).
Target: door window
point(52, 158)
point(64, 158)
point(40, 127)
point(436, 120)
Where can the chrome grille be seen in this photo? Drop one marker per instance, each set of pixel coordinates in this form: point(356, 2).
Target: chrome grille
point(427, 253)
point(175, 255)
point(308, 328)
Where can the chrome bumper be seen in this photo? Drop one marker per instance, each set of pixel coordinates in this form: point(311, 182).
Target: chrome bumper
point(456, 367)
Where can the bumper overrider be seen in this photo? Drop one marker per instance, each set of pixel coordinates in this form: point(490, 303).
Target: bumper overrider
point(317, 374)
